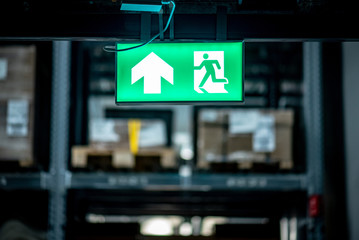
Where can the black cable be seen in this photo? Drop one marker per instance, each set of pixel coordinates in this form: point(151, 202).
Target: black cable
point(111, 48)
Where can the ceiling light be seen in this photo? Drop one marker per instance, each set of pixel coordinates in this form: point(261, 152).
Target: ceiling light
point(141, 5)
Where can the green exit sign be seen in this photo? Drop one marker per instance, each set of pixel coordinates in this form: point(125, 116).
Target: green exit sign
point(180, 72)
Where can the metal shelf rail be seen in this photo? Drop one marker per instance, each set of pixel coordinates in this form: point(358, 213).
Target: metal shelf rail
point(160, 181)
point(17, 181)
point(201, 182)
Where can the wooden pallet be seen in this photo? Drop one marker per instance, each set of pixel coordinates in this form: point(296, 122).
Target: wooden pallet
point(232, 167)
point(110, 159)
point(281, 165)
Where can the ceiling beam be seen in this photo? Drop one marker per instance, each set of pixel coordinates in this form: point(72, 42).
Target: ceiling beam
point(117, 27)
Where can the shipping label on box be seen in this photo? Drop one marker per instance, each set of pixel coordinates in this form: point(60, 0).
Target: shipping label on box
point(243, 121)
point(103, 130)
point(17, 118)
point(213, 116)
point(152, 134)
point(264, 135)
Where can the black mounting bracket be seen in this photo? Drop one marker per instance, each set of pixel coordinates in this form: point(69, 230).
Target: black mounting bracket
point(221, 31)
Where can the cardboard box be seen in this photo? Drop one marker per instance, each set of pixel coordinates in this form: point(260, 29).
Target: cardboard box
point(234, 140)
point(211, 144)
point(213, 116)
point(17, 86)
point(17, 78)
point(241, 142)
point(109, 134)
point(284, 139)
point(240, 146)
point(114, 133)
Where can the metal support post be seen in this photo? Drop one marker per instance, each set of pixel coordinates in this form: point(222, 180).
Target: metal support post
point(313, 114)
point(145, 26)
point(160, 25)
point(59, 138)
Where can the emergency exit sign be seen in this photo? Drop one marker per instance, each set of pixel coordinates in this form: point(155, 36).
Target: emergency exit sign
point(180, 72)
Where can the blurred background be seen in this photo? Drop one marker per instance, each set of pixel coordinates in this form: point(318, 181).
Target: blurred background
point(74, 165)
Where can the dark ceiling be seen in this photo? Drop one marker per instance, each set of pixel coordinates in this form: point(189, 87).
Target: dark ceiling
point(193, 19)
point(184, 6)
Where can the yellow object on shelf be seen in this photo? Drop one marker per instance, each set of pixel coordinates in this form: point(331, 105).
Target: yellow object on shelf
point(134, 127)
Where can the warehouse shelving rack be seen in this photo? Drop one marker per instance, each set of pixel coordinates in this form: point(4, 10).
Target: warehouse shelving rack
point(59, 179)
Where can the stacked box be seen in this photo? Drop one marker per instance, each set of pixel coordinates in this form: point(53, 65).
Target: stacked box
point(211, 144)
point(245, 136)
point(212, 135)
point(17, 86)
point(109, 134)
point(110, 142)
point(284, 139)
point(114, 133)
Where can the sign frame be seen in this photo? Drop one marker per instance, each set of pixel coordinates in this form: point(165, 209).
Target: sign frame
point(209, 102)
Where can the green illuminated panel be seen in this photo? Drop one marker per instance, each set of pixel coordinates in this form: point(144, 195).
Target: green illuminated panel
point(180, 72)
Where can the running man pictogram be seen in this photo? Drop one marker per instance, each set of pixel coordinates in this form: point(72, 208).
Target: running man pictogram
point(209, 72)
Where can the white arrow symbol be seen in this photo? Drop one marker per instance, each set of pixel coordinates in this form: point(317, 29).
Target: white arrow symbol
point(152, 68)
